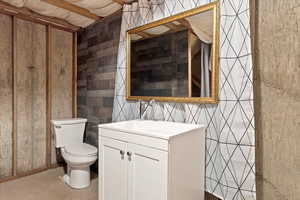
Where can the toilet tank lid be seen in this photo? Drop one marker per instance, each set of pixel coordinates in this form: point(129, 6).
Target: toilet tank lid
point(69, 121)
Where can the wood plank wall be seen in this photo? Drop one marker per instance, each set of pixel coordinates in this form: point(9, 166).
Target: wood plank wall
point(37, 84)
point(61, 78)
point(6, 95)
point(30, 70)
point(277, 98)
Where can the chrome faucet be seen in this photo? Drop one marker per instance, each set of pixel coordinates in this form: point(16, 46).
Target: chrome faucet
point(144, 105)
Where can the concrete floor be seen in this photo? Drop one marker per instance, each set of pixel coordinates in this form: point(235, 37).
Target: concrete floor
point(46, 186)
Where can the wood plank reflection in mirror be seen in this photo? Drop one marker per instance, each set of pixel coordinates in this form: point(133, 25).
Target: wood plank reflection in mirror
point(160, 66)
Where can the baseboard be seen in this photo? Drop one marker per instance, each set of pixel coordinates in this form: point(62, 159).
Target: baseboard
point(29, 173)
point(35, 171)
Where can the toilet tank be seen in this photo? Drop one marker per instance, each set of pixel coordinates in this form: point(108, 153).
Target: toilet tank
point(68, 131)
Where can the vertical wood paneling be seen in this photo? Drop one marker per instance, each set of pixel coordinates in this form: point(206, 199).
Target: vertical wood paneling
point(62, 77)
point(37, 83)
point(74, 75)
point(6, 95)
point(49, 95)
point(30, 72)
point(14, 135)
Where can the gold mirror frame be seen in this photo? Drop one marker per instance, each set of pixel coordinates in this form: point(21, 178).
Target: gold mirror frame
point(215, 58)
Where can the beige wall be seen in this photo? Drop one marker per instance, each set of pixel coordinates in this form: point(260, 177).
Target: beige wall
point(277, 100)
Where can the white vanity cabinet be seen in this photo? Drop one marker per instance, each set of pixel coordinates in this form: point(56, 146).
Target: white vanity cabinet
point(148, 160)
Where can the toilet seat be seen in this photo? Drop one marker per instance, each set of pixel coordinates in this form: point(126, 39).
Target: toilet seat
point(81, 149)
point(79, 158)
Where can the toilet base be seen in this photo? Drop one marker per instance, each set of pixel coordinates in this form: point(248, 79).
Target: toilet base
point(78, 178)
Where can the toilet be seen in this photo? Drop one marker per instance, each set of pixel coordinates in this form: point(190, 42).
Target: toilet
point(79, 156)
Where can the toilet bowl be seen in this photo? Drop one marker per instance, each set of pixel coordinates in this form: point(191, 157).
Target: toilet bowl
point(79, 156)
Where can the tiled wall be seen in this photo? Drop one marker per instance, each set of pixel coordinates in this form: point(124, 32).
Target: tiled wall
point(97, 60)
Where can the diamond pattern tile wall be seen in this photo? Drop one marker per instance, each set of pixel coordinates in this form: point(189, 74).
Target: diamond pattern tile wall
point(230, 133)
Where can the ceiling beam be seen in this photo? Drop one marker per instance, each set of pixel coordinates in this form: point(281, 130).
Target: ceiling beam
point(73, 8)
point(171, 26)
point(144, 34)
point(33, 16)
point(174, 27)
point(185, 23)
point(121, 2)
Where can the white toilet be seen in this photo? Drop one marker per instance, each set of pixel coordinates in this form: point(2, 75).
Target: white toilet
point(78, 155)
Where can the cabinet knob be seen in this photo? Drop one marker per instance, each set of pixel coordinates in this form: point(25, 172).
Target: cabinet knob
point(129, 155)
point(122, 152)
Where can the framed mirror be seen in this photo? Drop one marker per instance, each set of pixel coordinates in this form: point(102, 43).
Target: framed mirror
point(175, 59)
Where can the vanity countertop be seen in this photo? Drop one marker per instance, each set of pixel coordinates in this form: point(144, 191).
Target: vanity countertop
point(158, 129)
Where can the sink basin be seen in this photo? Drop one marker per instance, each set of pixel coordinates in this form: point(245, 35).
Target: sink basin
point(159, 129)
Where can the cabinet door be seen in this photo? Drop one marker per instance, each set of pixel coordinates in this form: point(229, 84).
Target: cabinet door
point(147, 173)
point(113, 170)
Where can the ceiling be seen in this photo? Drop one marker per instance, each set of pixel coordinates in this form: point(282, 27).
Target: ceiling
point(200, 24)
point(77, 12)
